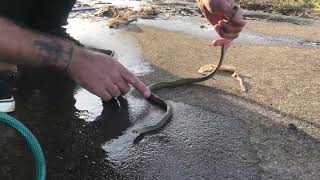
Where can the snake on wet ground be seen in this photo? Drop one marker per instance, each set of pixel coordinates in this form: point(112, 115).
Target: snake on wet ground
point(155, 99)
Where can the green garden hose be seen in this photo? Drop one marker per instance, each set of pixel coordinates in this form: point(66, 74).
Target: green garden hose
point(32, 142)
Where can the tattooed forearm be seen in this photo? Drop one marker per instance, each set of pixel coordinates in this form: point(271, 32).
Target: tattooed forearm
point(54, 53)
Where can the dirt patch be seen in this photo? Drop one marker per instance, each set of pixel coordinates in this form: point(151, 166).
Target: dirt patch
point(300, 8)
point(310, 33)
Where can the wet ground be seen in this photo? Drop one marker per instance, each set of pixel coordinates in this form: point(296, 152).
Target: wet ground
point(217, 131)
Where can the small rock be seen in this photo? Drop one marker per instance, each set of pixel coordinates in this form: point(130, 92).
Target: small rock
point(292, 126)
point(202, 26)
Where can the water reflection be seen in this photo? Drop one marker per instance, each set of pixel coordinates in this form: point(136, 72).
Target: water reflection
point(113, 120)
point(89, 105)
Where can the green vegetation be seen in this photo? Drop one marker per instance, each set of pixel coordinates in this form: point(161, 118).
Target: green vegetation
point(286, 7)
point(303, 8)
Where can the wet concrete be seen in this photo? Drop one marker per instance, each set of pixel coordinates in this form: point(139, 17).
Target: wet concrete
point(306, 33)
point(189, 139)
point(214, 134)
point(283, 87)
point(197, 144)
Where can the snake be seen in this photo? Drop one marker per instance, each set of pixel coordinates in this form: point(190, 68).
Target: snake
point(156, 100)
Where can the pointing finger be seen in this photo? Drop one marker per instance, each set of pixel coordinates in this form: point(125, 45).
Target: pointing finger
point(135, 82)
point(123, 86)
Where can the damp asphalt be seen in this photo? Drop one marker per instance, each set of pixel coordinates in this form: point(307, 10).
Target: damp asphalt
point(216, 132)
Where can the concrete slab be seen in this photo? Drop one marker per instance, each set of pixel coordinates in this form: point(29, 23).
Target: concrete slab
point(196, 144)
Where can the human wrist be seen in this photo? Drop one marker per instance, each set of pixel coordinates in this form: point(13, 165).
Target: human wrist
point(53, 52)
point(78, 54)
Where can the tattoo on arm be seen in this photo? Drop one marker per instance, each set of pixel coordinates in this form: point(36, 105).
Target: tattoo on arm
point(54, 53)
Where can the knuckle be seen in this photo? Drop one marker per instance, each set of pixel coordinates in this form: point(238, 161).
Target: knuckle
point(125, 73)
point(108, 98)
point(131, 80)
point(125, 92)
point(115, 91)
point(141, 87)
point(126, 89)
point(105, 95)
point(114, 76)
point(118, 93)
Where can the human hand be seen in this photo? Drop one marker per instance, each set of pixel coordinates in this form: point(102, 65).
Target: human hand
point(225, 16)
point(102, 75)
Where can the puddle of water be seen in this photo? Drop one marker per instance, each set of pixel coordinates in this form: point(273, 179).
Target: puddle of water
point(89, 105)
point(121, 146)
point(136, 5)
point(96, 34)
point(310, 43)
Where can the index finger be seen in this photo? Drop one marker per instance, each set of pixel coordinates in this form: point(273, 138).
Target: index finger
point(135, 82)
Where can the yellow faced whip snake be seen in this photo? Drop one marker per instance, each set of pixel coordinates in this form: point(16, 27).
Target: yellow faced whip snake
point(154, 99)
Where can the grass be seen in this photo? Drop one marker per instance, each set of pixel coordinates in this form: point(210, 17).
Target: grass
point(286, 7)
point(303, 8)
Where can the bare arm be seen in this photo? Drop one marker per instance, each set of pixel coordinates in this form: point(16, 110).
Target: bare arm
point(98, 73)
point(24, 47)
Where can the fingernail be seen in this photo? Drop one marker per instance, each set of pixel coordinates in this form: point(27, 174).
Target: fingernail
point(147, 93)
